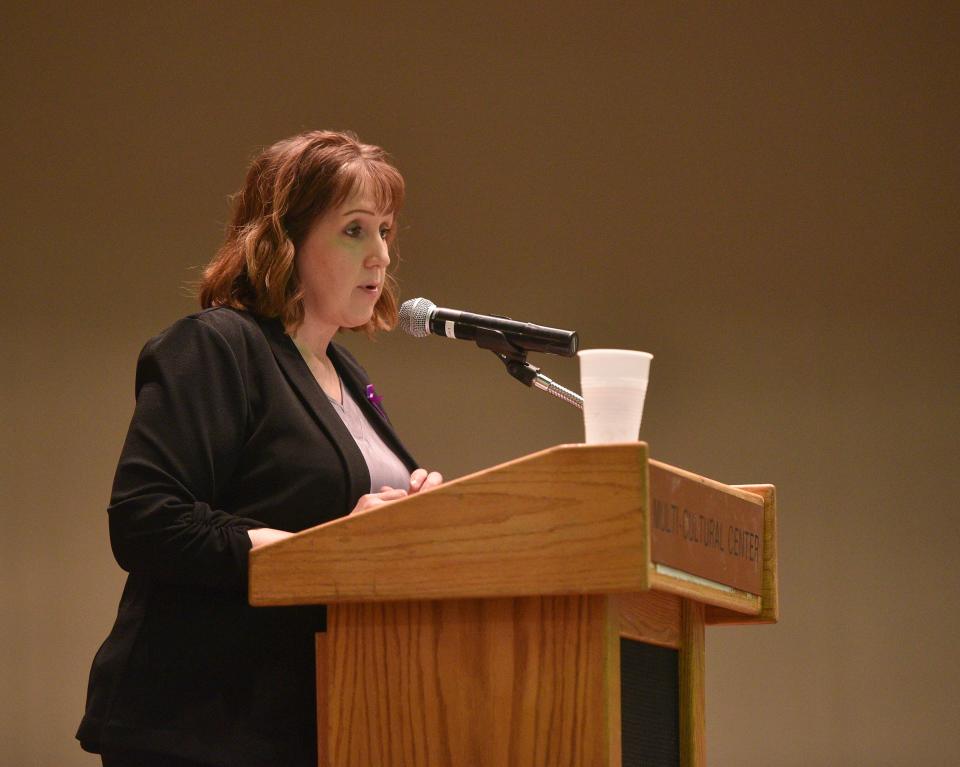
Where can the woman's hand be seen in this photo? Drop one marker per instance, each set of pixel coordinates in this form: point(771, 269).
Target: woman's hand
point(372, 500)
point(261, 536)
point(422, 479)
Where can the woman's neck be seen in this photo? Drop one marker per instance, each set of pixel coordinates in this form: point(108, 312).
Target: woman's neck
point(312, 340)
point(313, 336)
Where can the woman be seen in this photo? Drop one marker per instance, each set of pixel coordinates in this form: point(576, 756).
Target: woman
point(250, 424)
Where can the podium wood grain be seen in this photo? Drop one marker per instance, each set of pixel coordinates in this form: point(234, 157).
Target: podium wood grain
point(693, 752)
point(471, 683)
point(650, 616)
point(568, 520)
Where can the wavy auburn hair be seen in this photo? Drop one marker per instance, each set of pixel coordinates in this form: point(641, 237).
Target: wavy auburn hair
point(288, 186)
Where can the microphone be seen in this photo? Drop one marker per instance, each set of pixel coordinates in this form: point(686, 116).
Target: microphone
point(419, 317)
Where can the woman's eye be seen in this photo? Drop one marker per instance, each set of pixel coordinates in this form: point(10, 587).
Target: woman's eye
point(385, 232)
point(354, 230)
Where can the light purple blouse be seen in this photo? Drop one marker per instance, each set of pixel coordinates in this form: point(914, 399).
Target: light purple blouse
point(385, 468)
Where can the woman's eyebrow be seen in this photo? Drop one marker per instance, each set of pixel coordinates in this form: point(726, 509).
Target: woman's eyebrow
point(359, 210)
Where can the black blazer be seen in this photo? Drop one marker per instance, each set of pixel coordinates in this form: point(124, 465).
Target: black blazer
point(230, 432)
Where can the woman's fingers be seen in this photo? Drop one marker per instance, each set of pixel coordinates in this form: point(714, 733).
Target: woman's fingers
point(416, 479)
point(421, 479)
point(372, 500)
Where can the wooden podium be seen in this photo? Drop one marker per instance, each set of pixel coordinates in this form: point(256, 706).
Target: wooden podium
point(487, 622)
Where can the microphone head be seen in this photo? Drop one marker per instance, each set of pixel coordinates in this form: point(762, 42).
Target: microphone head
point(415, 316)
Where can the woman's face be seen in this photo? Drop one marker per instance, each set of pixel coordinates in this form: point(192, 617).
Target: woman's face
point(342, 263)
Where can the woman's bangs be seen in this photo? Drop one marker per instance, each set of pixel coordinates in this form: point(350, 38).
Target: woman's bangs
point(379, 179)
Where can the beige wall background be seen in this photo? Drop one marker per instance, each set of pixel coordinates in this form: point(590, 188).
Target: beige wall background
point(765, 196)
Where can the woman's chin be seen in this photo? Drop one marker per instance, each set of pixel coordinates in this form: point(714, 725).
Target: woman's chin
point(354, 323)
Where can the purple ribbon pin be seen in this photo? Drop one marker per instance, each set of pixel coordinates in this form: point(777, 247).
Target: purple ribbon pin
point(375, 399)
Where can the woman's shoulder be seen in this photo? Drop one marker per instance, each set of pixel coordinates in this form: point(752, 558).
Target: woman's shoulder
point(232, 325)
point(220, 327)
point(218, 341)
point(228, 321)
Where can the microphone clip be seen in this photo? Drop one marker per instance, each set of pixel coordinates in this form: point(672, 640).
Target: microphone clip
point(515, 360)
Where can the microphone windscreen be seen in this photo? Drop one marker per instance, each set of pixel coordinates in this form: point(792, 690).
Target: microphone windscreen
point(415, 316)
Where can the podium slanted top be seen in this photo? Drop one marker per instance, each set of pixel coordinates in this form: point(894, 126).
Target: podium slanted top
point(572, 519)
point(565, 520)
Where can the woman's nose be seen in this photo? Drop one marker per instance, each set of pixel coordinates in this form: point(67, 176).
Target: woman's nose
point(380, 256)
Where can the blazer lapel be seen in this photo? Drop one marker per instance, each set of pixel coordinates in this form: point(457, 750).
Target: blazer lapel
point(301, 379)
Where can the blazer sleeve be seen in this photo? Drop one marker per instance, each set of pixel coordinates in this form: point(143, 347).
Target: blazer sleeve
point(183, 445)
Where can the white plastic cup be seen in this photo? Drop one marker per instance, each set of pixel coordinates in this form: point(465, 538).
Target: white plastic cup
point(613, 383)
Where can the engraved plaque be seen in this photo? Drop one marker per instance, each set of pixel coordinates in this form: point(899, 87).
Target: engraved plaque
point(705, 531)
